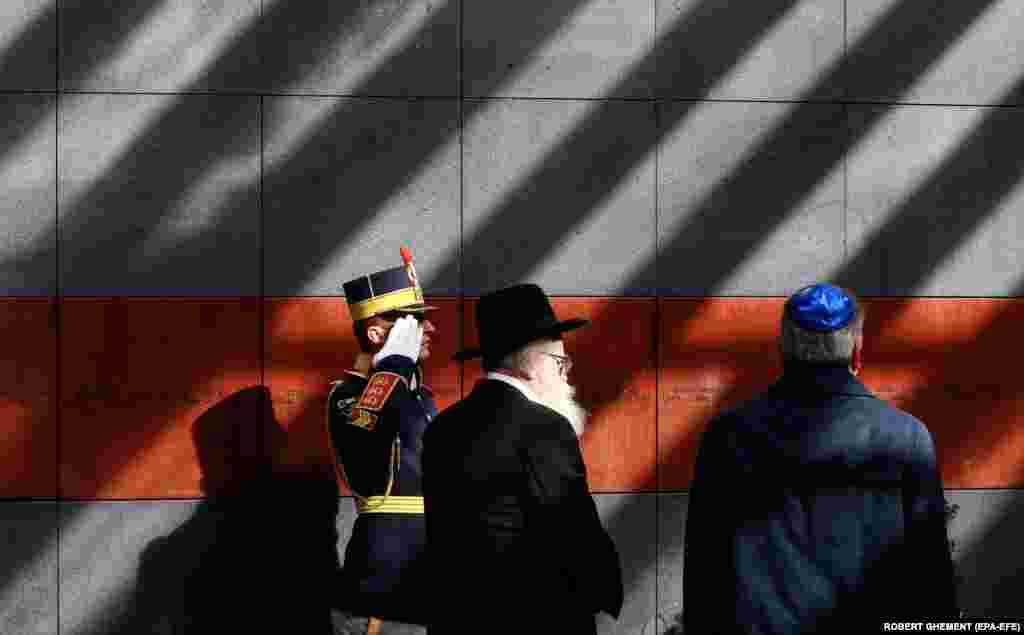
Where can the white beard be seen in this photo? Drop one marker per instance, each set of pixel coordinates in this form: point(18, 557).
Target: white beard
point(570, 409)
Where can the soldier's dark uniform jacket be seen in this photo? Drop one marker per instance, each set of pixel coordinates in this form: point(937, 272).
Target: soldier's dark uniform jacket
point(375, 428)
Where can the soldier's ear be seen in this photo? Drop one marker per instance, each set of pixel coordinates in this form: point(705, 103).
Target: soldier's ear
point(857, 360)
point(376, 334)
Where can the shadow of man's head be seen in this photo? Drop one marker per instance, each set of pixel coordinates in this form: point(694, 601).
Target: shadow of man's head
point(236, 441)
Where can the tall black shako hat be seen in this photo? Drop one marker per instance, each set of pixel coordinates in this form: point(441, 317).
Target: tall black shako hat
point(509, 318)
point(395, 289)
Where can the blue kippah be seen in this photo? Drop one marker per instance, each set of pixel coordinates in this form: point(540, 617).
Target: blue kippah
point(821, 307)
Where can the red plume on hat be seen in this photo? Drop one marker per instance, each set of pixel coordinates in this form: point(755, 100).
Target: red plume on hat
point(407, 257)
point(394, 289)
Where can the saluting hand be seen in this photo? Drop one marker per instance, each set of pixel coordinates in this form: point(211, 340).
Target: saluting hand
point(405, 339)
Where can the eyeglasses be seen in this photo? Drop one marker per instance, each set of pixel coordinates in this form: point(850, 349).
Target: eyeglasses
point(564, 362)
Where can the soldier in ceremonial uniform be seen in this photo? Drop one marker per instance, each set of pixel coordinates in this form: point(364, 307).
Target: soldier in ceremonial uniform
point(376, 416)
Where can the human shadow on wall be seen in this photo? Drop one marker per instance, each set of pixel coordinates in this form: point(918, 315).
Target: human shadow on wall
point(260, 549)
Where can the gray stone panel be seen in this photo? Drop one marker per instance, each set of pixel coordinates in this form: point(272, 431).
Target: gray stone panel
point(750, 198)
point(265, 560)
point(28, 568)
point(164, 46)
point(935, 201)
point(159, 195)
point(107, 581)
point(28, 195)
point(345, 521)
point(28, 44)
point(361, 47)
point(775, 49)
point(631, 520)
point(563, 48)
point(986, 530)
point(671, 534)
point(560, 193)
point(935, 52)
point(348, 180)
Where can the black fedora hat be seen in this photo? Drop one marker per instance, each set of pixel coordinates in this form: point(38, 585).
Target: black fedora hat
point(512, 317)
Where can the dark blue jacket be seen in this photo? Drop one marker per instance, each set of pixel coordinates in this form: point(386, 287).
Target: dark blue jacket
point(815, 507)
point(384, 572)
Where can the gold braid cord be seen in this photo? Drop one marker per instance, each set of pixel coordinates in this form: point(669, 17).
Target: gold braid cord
point(364, 503)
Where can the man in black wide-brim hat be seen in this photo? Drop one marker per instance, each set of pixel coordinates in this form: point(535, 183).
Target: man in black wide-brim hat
point(513, 536)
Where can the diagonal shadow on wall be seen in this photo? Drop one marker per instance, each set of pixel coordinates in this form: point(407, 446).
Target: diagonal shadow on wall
point(940, 195)
point(167, 158)
point(900, 28)
point(599, 153)
point(831, 153)
point(806, 119)
point(297, 172)
point(229, 136)
point(31, 60)
point(27, 61)
point(970, 375)
point(962, 192)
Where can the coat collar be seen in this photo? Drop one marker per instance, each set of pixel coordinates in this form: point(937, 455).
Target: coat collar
point(492, 386)
point(515, 382)
point(826, 378)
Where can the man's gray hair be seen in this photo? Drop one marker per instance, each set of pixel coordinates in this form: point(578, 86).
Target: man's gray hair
point(812, 347)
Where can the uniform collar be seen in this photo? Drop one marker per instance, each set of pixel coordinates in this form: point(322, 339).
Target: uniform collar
point(829, 378)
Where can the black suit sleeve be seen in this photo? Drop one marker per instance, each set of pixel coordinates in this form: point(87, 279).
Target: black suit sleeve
point(563, 512)
point(708, 586)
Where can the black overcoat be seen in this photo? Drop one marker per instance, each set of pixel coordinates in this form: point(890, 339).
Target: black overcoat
point(513, 535)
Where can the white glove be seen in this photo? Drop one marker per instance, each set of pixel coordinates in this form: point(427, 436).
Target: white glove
point(405, 339)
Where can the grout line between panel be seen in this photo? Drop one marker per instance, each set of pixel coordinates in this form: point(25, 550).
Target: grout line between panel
point(261, 250)
point(57, 314)
point(262, 311)
point(656, 108)
point(508, 98)
point(846, 188)
point(657, 494)
point(844, 74)
point(656, 344)
point(462, 192)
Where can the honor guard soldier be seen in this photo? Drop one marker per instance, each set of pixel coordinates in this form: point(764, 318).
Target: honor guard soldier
point(376, 416)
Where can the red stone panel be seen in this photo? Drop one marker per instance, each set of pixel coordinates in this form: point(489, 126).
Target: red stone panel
point(28, 381)
point(155, 393)
point(713, 354)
